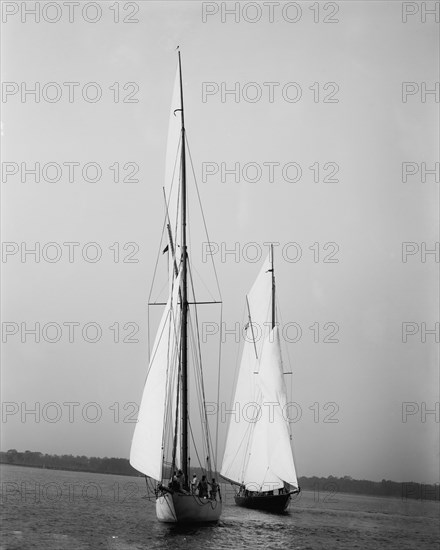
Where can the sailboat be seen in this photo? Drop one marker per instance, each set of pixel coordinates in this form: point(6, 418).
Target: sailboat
point(258, 455)
point(161, 444)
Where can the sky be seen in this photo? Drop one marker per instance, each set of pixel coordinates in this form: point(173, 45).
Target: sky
point(351, 132)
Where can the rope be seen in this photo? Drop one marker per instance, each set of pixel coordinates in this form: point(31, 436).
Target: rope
point(200, 371)
point(203, 215)
point(218, 386)
point(290, 366)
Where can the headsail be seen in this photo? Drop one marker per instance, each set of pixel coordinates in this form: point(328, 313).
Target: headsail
point(146, 454)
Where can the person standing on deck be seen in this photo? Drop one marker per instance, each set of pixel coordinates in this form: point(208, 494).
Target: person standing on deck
point(173, 480)
point(203, 488)
point(215, 488)
point(180, 480)
point(194, 484)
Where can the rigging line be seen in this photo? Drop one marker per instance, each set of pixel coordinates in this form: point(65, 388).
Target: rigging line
point(195, 360)
point(236, 373)
point(290, 368)
point(163, 230)
point(246, 436)
point(201, 368)
point(207, 447)
point(257, 396)
point(189, 303)
point(170, 238)
point(196, 336)
point(171, 361)
point(263, 335)
point(237, 368)
point(265, 474)
point(214, 458)
point(203, 215)
point(200, 278)
point(148, 333)
point(155, 350)
point(218, 385)
point(176, 422)
point(177, 216)
point(199, 386)
point(286, 347)
point(251, 327)
point(197, 380)
point(251, 430)
point(151, 290)
point(157, 260)
point(179, 143)
point(190, 246)
point(167, 416)
point(205, 285)
point(164, 222)
point(195, 364)
point(160, 292)
point(165, 439)
point(193, 267)
point(197, 373)
point(195, 447)
point(200, 412)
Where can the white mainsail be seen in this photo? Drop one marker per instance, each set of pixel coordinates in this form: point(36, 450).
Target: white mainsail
point(146, 454)
point(258, 452)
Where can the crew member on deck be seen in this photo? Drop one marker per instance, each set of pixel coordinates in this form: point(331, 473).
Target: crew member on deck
point(173, 481)
point(203, 488)
point(194, 483)
point(215, 488)
point(179, 479)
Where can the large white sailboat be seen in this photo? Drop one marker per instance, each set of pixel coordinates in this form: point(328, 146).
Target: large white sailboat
point(163, 436)
point(258, 455)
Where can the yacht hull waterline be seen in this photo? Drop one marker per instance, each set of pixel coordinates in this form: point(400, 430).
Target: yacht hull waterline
point(268, 503)
point(182, 508)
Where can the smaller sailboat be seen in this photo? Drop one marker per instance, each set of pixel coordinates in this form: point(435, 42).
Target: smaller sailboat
point(258, 455)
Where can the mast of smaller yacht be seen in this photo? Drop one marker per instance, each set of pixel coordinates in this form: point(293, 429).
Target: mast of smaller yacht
point(184, 297)
point(273, 288)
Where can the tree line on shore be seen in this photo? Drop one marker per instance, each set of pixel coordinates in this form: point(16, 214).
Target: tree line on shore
point(327, 486)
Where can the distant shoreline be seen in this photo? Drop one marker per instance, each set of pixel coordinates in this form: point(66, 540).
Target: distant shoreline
point(326, 486)
point(60, 469)
point(222, 481)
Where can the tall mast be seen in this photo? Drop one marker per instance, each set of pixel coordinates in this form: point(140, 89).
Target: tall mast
point(273, 288)
point(184, 323)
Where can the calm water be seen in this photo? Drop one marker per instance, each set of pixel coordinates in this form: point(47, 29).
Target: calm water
point(54, 510)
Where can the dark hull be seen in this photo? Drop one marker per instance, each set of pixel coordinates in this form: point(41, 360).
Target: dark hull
point(272, 503)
